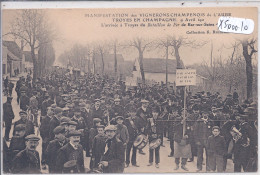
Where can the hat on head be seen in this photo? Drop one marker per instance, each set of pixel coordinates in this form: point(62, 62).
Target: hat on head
point(119, 117)
point(110, 128)
point(96, 120)
point(144, 101)
point(32, 137)
point(22, 112)
point(74, 133)
point(97, 100)
point(59, 129)
point(100, 126)
point(19, 127)
point(117, 100)
point(64, 120)
point(72, 123)
point(58, 110)
point(53, 106)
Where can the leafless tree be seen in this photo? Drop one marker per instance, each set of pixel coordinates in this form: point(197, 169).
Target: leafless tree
point(32, 27)
point(248, 51)
point(141, 45)
point(177, 42)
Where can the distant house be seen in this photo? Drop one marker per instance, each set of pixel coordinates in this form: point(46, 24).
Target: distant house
point(155, 71)
point(123, 67)
point(12, 58)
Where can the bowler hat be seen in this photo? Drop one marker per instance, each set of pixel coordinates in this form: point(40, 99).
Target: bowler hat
point(58, 130)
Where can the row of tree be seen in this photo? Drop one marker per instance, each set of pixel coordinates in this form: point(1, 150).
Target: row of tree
point(32, 26)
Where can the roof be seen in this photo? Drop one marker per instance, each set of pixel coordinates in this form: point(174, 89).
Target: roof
point(158, 65)
point(13, 48)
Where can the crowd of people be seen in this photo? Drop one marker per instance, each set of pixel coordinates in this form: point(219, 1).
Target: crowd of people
point(95, 116)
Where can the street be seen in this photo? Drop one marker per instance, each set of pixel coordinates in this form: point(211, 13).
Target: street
point(167, 164)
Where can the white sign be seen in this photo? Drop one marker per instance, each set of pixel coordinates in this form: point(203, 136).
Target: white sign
point(185, 77)
point(236, 25)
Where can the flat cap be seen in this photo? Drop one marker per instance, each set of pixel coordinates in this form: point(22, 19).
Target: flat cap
point(22, 112)
point(77, 109)
point(72, 123)
point(100, 126)
point(117, 100)
point(97, 100)
point(96, 120)
point(74, 133)
point(65, 120)
point(110, 128)
point(58, 110)
point(59, 129)
point(32, 137)
point(19, 127)
point(53, 106)
point(144, 101)
point(119, 117)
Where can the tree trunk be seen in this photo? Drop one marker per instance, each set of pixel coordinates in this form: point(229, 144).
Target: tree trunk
point(249, 70)
point(141, 66)
point(103, 64)
point(178, 58)
point(35, 66)
point(115, 66)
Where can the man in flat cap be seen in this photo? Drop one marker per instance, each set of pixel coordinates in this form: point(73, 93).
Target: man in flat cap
point(97, 112)
point(29, 128)
point(55, 121)
point(17, 143)
point(142, 114)
point(24, 99)
point(71, 151)
point(117, 109)
point(28, 160)
point(114, 158)
point(8, 116)
point(53, 148)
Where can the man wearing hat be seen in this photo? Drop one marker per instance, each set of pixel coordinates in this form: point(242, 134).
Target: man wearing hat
point(53, 148)
point(24, 99)
point(8, 116)
point(114, 158)
point(117, 109)
point(97, 112)
point(33, 103)
point(55, 121)
point(28, 160)
point(17, 143)
point(29, 128)
point(245, 146)
point(142, 114)
point(71, 151)
point(202, 130)
point(98, 147)
point(122, 132)
point(93, 131)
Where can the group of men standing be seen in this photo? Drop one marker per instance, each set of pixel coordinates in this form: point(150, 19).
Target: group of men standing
point(98, 117)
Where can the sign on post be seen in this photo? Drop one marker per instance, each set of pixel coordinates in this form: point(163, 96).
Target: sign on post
point(185, 77)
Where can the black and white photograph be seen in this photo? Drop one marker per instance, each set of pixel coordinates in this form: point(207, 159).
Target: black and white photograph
point(129, 90)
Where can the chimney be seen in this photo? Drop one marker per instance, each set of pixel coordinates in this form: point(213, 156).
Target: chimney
point(22, 45)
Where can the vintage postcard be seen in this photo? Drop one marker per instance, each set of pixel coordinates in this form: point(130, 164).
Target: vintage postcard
point(130, 90)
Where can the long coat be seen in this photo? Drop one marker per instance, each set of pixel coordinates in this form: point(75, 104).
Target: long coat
point(115, 156)
point(17, 144)
point(67, 153)
point(8, 112)
point(51, 155)
point(217, 145)
point(98, 150)
point(26, 162)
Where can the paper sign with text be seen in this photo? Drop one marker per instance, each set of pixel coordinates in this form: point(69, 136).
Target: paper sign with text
point(185, 77)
